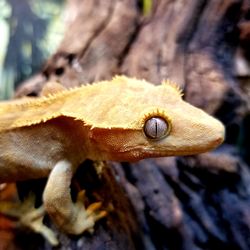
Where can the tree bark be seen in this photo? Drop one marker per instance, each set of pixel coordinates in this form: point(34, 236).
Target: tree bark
point(196, 202)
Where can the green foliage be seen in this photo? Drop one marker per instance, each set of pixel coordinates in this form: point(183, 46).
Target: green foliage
point(147, 6)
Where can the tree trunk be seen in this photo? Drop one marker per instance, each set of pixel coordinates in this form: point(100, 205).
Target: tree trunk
point(196, 202)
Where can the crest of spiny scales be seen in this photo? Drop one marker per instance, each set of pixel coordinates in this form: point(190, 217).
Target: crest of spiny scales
point(174, 85)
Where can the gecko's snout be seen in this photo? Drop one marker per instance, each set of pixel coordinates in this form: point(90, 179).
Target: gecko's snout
point(221, 136)
point(218, 134)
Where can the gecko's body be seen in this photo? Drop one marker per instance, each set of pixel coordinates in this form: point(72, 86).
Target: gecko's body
point(124, 120)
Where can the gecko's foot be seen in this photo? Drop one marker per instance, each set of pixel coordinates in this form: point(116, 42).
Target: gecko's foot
point(28, 216)
point(85, 217)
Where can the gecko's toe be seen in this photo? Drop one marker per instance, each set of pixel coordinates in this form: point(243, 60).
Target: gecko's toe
point(27, 216)
point(94, 213)
point(85, 218)
point(81, 196)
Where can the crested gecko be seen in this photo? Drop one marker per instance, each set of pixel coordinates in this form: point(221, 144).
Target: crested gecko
point(124, 119)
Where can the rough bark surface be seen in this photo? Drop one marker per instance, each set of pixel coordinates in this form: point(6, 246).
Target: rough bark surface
point(198, 202)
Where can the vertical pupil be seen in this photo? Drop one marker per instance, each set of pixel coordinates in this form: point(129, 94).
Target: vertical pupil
point(156, 128)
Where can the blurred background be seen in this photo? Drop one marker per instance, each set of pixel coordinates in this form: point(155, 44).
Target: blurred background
point(30, 31)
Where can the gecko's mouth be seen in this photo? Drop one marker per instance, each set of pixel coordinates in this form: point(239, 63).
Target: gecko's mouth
point(163, 153)
point(141, 152)
point(178, 151)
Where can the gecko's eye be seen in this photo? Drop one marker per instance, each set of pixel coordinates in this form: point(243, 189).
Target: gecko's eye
point(156, 128)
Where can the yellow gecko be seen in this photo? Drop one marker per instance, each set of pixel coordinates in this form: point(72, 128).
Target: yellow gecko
point(121, 120)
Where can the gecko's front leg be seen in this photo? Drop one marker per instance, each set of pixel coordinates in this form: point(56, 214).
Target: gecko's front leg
point(70, 217)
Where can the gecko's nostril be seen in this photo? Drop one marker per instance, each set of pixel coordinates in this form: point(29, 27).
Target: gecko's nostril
point(218, 141)
point(220, 135)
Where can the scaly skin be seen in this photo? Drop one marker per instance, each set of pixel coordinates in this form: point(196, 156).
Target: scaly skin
point(109, 120)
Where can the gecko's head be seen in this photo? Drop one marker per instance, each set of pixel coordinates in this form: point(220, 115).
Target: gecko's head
point(152, 121)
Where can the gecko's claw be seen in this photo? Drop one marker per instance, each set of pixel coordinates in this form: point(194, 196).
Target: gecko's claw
point(86, 217)
point(28, 216)
point(81, 196)
point(94, 213)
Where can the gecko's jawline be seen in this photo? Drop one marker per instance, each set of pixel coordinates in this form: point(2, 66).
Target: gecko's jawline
point(141, 153)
